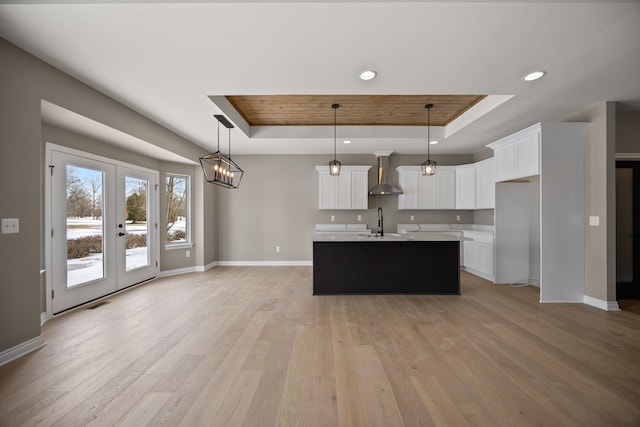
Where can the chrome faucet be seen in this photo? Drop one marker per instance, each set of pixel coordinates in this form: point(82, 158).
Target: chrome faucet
point(380, 222)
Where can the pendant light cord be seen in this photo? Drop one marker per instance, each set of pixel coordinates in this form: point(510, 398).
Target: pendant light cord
point(335, 119)
point(218, 136)
point(429, 130)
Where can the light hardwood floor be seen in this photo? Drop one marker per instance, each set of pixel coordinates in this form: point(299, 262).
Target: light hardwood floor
point(250, 346)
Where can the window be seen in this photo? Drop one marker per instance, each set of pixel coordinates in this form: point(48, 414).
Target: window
point(177, 216)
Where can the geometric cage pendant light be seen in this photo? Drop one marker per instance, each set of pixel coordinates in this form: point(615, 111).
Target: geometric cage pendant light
point(220, 169)
point(334, 165)
point(428, 166)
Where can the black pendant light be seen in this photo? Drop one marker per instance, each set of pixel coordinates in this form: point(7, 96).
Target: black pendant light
point(334, 165)
point(220, 169)
point(428, 166)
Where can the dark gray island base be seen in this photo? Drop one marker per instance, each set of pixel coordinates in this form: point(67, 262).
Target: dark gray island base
point(386, 267)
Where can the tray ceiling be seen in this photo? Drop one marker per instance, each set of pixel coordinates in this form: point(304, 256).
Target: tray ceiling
point(355, 110)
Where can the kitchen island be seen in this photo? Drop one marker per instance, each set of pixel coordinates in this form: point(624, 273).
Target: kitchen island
point(393, 264)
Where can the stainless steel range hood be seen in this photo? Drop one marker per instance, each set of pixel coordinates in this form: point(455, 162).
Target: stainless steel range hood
point(383, 188)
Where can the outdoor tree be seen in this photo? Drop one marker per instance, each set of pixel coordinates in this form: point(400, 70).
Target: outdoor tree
point(176, 194)
point(137, 207)
point(94, 185)
point(78, 201)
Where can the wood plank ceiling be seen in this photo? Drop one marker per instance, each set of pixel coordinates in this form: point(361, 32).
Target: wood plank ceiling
point(355, 110)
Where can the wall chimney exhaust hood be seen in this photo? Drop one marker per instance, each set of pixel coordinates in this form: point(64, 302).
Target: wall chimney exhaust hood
point(384, 188)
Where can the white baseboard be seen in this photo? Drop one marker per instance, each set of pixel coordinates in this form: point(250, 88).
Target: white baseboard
point(177, 271)
point(479, 274)
point(20, 350)
point(203, 268)
point(601, 304)
point(265, 263)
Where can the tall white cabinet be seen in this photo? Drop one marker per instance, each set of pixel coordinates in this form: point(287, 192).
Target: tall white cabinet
point(349, 190)
point(539, 209)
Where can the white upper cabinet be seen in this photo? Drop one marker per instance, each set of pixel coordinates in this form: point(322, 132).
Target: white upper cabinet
point(475, 185)
point(409, 182)
point(518, 155)
point(466, 186)
point(349, 190)
point(427, 192)
point(485, 184)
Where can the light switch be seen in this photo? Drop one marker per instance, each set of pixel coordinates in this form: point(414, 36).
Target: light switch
point(594, 221)
point(10, 225)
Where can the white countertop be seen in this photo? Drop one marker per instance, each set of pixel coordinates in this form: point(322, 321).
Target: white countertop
point(388, 237)
point(439, 228)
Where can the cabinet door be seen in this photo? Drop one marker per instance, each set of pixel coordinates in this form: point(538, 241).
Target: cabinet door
point(359, 190)
point(485, 259)
point(505, 158)
point(485, 186)
point(445, 196)
point(465, 187)
point(427, 191)
point(471, 255)
point(328, 191)
point(528, 156)
point(409, 184)
point(343, 195)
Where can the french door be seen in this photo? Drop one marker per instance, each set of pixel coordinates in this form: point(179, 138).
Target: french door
point(102, 217)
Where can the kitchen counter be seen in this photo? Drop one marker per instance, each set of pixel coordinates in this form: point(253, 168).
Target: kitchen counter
point(393, 264)
point(388, 237)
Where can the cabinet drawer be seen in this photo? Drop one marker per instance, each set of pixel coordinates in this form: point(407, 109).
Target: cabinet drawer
point(479, 237)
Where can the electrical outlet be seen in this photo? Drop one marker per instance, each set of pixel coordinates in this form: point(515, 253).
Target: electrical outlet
point(277, 249)
point(594, 221)
point(413, 218)
point(458, 218)
point(333, 218)
point(10, 225)
point(188, 254)
point(359, 217)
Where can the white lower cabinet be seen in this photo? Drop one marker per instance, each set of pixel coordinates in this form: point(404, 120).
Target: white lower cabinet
point(478, 254)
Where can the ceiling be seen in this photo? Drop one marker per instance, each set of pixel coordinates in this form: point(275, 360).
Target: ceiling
point(181, 63)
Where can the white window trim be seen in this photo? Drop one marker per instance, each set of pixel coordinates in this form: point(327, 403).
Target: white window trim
point(174, 246)
point(188, 243)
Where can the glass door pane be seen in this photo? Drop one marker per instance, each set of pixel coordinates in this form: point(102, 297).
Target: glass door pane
point(136, 223)
point(84, 225)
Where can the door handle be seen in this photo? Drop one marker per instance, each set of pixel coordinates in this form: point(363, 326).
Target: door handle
point(121, 234)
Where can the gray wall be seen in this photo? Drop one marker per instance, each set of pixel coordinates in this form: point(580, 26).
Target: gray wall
point(600, 250)
point(25, 82)
point(277, 205)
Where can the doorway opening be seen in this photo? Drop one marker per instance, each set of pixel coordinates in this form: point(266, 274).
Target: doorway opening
point(628, 229)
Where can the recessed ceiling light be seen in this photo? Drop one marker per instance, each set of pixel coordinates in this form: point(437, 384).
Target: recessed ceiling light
point(534, 76)
point(368, 75)
point(433, 142)
point(346, 141)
